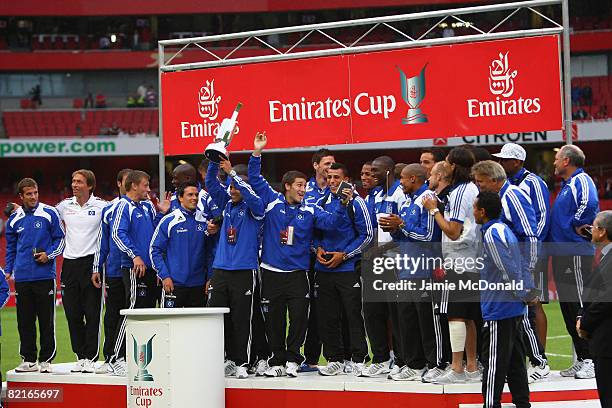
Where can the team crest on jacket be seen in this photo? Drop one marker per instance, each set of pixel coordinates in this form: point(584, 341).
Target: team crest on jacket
point(38, 224)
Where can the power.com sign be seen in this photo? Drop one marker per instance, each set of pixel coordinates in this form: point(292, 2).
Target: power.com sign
point(488, 87)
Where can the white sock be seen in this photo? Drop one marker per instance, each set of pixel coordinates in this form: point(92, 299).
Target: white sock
point(458, 333)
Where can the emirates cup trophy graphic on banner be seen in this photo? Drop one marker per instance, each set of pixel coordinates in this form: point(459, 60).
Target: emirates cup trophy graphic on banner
point(217, 151)
point(413, 92)
point(143, 354)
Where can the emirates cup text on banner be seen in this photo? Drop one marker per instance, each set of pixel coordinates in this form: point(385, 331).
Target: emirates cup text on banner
point(492, 87)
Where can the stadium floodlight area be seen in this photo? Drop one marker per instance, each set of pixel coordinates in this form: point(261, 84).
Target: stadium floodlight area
point(334, 38)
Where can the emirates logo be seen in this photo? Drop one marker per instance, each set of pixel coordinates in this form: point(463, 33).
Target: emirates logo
point(208, 103)
point(501, 78)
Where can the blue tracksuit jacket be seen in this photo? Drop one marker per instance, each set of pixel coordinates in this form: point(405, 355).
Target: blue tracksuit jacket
point(39, 227)
point(107, 253)
point(132, 230)
point(178, 246)
point(420, 228)
point(350, 237)
point(502, 263)
point(577, 204)
point(245, 216)
point(537, 190)
point(518, 213)
point(279, 214)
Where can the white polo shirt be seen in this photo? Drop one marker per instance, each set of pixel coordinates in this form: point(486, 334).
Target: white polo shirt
point(82, 225)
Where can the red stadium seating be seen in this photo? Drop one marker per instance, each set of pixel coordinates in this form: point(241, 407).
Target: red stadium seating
point(601, 87)
point(77, 122)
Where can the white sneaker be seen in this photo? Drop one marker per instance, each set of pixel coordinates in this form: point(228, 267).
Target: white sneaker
point(292, 369)
point(451, 377)
point(261, 367)
point(587, 371)
point(88, 367)
point(78, 366)
point(119, 368)
point(394, 371)
point(333, 368)
point(375, 369)
point(473, 377)
point(408, 374)
point(276, 371)
point(105, 368)
point(571, 372)
point(537, 373)
point(45, 367)
point(432, 374)
point(230, 368)
point(26, 367)
point(241, 372)
point(358, 368)
point(348, 366)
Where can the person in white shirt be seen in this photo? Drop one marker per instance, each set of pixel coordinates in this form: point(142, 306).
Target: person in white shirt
point(82, 301)
point(460, 244)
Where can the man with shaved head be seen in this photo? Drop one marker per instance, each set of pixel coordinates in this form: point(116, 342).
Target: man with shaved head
point(439, 181)
point(183, 173)
point(413, 229)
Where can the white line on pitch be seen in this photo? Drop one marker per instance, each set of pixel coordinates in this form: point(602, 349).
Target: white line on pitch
point(558, 337)
point(558, 355)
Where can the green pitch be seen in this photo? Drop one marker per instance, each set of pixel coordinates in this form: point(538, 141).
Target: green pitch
point(558, 347)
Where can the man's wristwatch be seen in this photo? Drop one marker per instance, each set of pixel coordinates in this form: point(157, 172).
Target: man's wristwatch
point(232, 173)
point(434, 211)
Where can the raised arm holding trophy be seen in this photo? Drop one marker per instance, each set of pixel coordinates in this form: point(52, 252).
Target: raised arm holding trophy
point(217, 150)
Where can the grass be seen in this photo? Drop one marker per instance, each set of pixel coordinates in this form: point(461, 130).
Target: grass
point(559, 348)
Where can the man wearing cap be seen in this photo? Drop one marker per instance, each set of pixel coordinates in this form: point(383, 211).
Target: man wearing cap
point(512, 158)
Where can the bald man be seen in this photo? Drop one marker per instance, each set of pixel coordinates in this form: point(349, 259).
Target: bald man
point(183, 173)
point(414, 229)
point(439, 181)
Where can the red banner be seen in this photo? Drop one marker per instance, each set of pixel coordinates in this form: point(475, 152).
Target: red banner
point(455, 90)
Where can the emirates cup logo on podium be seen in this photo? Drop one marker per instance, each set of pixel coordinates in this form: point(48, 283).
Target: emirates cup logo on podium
point(208, 104)
point(143, 354)
point(501, 79)
point(413, 93)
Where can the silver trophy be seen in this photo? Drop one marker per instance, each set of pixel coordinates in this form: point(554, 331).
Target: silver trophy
point(217, 150)
point(413, 93)
point(143, 354)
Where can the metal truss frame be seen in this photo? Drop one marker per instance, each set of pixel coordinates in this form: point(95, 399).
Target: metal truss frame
point(219, 57)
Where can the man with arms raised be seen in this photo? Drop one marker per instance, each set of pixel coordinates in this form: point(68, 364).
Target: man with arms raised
point(287, 237)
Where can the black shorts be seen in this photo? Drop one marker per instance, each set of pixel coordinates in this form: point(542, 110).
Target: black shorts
point(464, 303)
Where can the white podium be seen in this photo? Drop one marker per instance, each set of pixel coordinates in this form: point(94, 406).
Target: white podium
point(175, 357)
